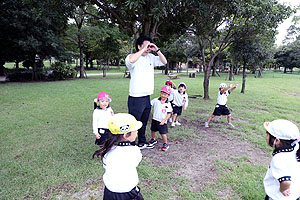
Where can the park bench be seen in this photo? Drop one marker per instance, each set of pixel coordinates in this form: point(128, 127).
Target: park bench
point(173, 76)
point(126, 74)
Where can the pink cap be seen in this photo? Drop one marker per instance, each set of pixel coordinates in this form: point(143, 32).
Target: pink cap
point(103, 95)
point(166, 89)
point(169, 82)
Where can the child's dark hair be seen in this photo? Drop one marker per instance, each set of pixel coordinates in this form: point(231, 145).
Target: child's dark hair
point(284, 144)
point(141, 40)
point(113, 139)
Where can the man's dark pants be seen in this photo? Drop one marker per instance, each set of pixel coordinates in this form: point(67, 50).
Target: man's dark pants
point(140, 108)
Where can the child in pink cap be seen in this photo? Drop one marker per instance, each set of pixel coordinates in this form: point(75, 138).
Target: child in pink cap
point(102, 114)
point(162, 110)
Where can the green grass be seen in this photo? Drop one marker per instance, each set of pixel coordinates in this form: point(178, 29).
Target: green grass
point(47, 141)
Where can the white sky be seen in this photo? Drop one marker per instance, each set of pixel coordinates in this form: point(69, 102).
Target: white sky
point(282, 28)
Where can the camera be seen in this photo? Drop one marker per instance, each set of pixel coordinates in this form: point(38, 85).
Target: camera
point(150, 46)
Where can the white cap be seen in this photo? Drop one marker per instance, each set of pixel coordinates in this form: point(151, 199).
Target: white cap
point(223, 85)
point(282, 129)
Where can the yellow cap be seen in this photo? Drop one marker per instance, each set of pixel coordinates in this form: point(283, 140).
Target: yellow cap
point(123, 123)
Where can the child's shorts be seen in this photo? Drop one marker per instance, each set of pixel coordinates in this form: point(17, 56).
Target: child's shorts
point(221, 110)
point(104, 134)
point(155, 126)
point(177, 110)
point(132, 194)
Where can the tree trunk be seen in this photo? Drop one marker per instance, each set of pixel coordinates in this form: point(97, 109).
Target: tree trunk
point(17, 64)
point(81, 57)
point(284, 70)
point(207, 70)
point(244, 78)
point(230, 72)
point(214, 71)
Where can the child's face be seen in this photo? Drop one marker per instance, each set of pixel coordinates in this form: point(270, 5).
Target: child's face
point(164, 96)
point(103, 103)
point(132, 136)
point(181, 89)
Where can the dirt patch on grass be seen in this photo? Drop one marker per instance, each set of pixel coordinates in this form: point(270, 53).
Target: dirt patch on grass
point(292, 94)
point(195, 157)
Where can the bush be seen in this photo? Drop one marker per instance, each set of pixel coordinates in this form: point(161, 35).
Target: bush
point(62, 70)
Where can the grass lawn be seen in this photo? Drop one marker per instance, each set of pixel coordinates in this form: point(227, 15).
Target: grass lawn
point(47, 141)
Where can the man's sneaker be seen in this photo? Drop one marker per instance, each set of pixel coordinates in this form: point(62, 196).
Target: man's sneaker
point(151, 143)
point(173, 124)
point(170, 119)
point(142, 146)
point(165, 147)
point(206, 124)
point(230, 124)
point(177, 123)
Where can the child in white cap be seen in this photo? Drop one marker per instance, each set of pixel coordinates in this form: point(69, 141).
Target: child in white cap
point(162, 111)
point(180, 101)
point(120, 159)
point(282, 181)
point(221, 107)
point(102, 113)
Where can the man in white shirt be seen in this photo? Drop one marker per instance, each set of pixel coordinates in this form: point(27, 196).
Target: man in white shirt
point(141, 66)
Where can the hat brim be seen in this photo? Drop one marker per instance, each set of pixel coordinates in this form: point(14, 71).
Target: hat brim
point(267, 127)
point(136, 126)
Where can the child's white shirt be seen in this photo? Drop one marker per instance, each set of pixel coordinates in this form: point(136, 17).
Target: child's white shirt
point(120, 168)
point(101, 118)
point(283, 164)
point(160, 110)
point(178, 98)
point(142, 75)
point(222, 98)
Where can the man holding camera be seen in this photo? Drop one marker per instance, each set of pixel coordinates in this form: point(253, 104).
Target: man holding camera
point(141, 67)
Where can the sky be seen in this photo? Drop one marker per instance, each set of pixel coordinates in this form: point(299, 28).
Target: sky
point(282, 28)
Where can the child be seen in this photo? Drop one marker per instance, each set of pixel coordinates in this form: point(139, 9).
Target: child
point(221, 107)
point(170, 98)
point(180, 100)
point(282, 180)
point(120, 159)
point(162, 111)
point(101, 115)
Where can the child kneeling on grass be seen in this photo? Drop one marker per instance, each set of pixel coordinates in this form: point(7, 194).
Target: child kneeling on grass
point(120, 159)
point(221, 107)
point(282, 181)
point(162, 111)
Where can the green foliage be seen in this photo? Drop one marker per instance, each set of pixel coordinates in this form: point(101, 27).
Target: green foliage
point(62, 70)
point(288, 56)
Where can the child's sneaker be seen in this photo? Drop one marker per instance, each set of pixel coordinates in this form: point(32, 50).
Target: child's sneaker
point(173, 124)
point(165, 147)
point(177, 123)
point(151, 143)
point(206, 124)
point(230, 124)
point(170, 119)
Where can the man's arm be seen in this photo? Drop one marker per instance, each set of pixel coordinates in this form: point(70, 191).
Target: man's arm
point(162, 57)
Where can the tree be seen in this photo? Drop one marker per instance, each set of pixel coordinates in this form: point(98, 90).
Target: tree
point(288, 56)
point(222, 20)
point(30, 28)
point(148, 17)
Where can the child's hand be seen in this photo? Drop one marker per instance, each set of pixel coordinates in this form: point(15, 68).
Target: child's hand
point(98, 136)
point(184, 108)
point(286, 192)
point(236, 85)
point(162, 122)
point(230, 85)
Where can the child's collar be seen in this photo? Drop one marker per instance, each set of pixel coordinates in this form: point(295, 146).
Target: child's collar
point(276, 151)
point(125, 143)
point(159, 98)
point(180, 93)
point(98, 107)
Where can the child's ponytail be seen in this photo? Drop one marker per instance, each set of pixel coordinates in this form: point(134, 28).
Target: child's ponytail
point(113, 139)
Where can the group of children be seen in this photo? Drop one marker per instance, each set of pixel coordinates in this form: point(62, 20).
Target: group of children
point(116, 133)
